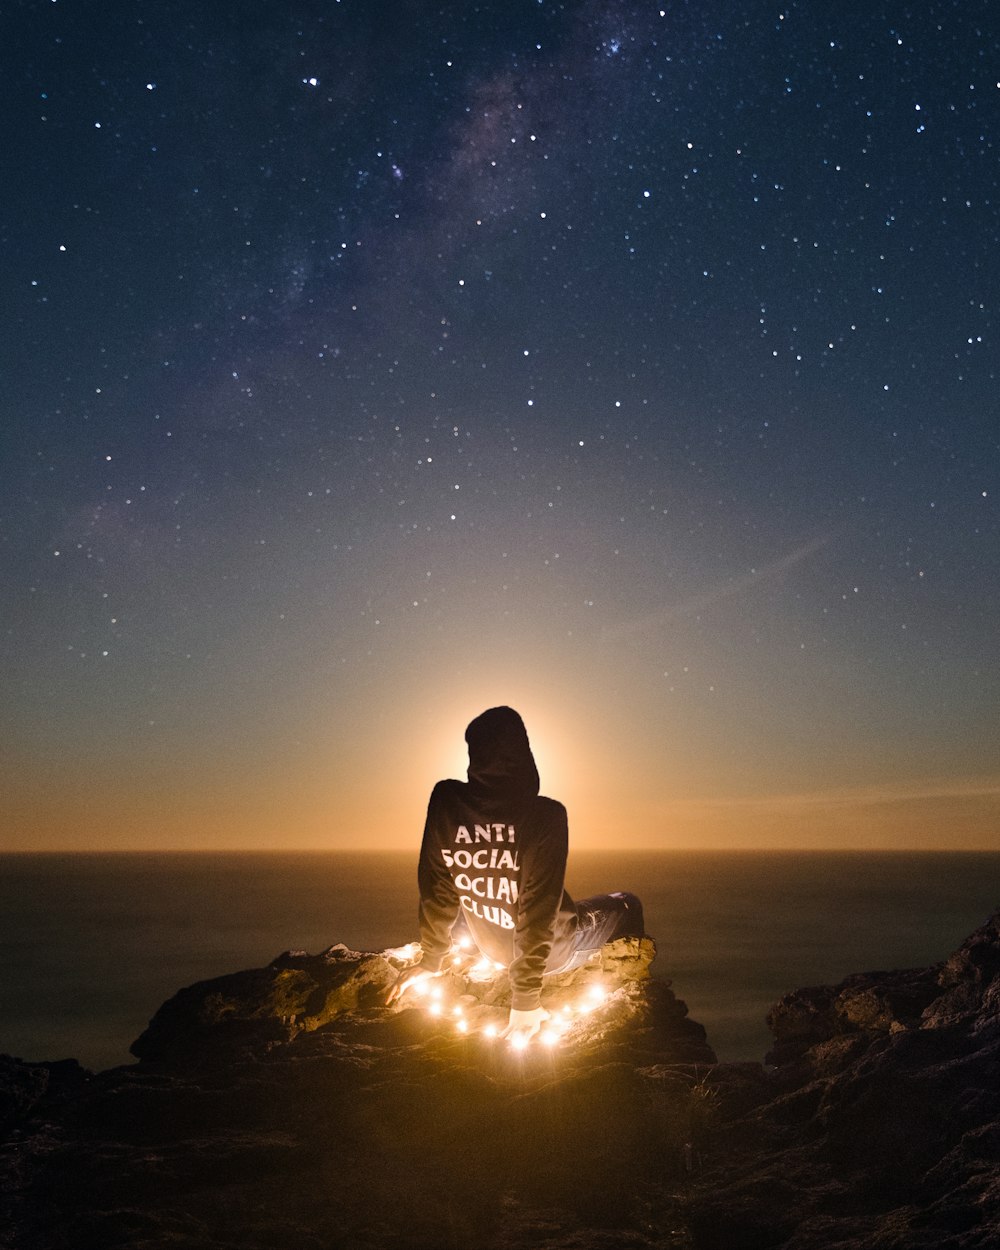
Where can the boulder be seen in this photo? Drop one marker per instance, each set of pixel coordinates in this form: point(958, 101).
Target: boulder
point(298, 993)
point(853, 1013)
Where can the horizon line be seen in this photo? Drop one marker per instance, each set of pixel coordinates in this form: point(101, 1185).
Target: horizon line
point(632, 849)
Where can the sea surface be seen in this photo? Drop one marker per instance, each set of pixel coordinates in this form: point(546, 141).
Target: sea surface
point(90, 945)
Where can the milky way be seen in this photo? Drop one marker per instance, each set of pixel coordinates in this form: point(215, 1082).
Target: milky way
point(366, 365)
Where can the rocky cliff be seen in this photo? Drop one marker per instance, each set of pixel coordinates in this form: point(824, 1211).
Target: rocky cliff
point(288, 1107)
point(877, 1126)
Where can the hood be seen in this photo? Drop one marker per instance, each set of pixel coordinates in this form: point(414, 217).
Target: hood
point(500, 759)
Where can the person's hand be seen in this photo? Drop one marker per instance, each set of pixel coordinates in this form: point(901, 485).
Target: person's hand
point(409, 979)
point(522, 1026)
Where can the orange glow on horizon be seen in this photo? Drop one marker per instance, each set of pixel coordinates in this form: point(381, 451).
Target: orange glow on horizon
point(362, 783)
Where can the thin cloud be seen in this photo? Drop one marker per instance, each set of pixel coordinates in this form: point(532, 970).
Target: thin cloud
point(854, 796)
point(701, 600)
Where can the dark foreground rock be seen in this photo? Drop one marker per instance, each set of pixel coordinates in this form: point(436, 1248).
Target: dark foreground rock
point(878, 1126)
point(287, 1107)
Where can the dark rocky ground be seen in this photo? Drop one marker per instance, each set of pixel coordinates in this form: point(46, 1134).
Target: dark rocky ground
point(286, 1107)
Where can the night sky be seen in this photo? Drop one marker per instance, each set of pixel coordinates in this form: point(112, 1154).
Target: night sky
point(365, 365)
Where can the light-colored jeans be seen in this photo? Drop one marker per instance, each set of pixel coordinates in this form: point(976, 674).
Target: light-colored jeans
point(602, 918)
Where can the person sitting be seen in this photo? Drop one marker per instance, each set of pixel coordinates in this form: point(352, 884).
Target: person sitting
point(494, 856)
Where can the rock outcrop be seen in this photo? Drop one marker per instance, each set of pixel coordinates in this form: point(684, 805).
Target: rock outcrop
point(299, 994)
point(288, 1107)
point(878, 1125)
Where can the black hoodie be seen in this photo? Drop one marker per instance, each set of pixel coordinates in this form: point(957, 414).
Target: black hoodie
point(496, 850)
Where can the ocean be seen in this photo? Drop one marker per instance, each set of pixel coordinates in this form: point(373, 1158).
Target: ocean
point(90, 945)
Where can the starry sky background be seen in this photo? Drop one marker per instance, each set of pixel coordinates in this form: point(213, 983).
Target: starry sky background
point(366, 364)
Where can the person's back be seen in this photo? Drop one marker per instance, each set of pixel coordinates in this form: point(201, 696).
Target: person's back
point(504, 857)
point(494, 853)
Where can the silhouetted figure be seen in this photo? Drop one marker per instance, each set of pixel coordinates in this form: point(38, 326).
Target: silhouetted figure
point(493, 860)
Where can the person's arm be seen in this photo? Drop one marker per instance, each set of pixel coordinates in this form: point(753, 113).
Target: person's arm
point(543, 873)
point(438, 896)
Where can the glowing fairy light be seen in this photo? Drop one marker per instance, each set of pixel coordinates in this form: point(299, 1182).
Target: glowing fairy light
point(454, 1005)
point(557, 1028)
point(594, 998)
